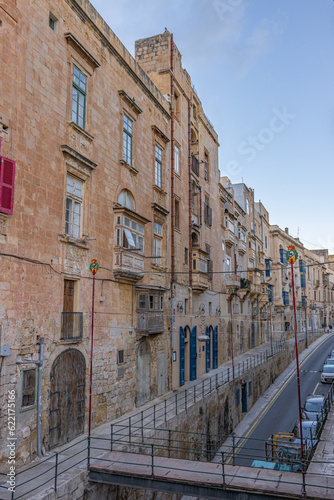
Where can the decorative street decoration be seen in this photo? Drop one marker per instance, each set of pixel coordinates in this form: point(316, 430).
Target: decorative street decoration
point(94, 266)
point(230, 291)
point(291, 254)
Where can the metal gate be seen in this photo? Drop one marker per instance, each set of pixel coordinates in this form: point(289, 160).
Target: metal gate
point(67, 397)
point(182, 349)
point(193, 354)
point(215, 348)
point(208, 342)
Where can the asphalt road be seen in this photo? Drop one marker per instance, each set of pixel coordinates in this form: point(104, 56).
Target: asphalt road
point(281, 412)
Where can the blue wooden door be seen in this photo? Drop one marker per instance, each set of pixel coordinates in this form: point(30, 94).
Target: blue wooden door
point(215, 348)
point(208, 350)
point(193, 354)
point(244, 396)
point(181, 356)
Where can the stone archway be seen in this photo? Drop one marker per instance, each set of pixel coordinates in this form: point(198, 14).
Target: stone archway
point(67, 397)
point(143, 373)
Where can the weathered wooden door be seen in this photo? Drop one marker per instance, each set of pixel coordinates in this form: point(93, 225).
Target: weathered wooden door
point(161, 374)
point(143, 387)
point(182, 349)
point(67, 397)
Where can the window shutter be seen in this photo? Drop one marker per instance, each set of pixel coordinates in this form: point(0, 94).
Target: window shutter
point(7, 176)
point(210, 215)
point(205, 213)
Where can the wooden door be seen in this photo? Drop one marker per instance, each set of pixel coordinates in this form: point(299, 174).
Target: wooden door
point(143, 387)
point(67, 397)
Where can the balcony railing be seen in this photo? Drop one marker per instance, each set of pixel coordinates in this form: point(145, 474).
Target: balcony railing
point(195, 165)
point(128, 265)
point(71, 325)
point(150, 322)
point(232, 280)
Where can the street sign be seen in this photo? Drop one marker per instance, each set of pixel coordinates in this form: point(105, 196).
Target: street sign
point(94, 266)
point(291, 254)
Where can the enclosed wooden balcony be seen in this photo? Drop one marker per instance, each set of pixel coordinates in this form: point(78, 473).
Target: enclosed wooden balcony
point(150, 323)
point(128, 265)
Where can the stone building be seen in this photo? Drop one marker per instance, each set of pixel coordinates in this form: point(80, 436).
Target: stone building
point(111, 157)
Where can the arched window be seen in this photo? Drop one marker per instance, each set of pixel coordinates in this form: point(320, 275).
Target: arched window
point(126, 199)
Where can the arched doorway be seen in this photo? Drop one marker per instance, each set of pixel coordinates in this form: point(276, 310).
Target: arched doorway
point(67, 397)
point(143, 372)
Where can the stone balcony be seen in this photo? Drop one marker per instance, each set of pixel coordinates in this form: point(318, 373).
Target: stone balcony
point(232, 280)
point(229, 237)
point(251, 254)
point(128, 265)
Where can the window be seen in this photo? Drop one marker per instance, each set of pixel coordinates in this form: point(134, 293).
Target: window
point(177, 161)
point(241, 234)
point(303, 280)
point(158, 166)
point(127, 139)
point(285, 298)
point(266, 242)
point(271, 293)
point(125, 199)
point(120, 356)
point(79, 94)
point(223, 244)
point(151, 302)
point(207, 211)
point(177, 214)
point(157, 243)
point(52, 21)
point(283, 257)
point(268, 267)
point(228, 265)
point(29, 383)
point(302, 266)
point(186, 253)
point(206, 167)
point(247, 206)
point(71, 321)
point(73, 207)
point(129, 234)
point(7, 177)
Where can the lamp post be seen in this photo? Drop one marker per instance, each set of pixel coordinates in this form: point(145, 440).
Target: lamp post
point(292, 255)
point(94, 266)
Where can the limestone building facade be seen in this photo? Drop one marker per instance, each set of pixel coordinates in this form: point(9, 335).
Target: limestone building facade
point(111, 157)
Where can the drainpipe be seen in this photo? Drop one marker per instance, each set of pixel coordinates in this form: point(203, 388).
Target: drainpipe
point(172, 179)
point(200, 204)
point(190, 193)
point(39, 396)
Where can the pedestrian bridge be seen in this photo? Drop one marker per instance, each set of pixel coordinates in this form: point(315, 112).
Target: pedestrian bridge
point(206, 479)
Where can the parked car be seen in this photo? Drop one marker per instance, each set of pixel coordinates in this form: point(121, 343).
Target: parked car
point(330, 361)
point(311, 429)
point(331, 354)
point(314, 407)
point(327, 374)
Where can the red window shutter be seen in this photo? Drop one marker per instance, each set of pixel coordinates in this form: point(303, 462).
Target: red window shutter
point(7, 177)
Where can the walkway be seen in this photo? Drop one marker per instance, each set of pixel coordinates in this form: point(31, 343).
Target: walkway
point(60, 465)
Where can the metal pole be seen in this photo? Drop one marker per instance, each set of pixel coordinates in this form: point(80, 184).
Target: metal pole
point(223, 470)
point(152, 455)
point(142, 426)
point(111, 436)
point(306, 343)
point(233, 439)
point(56, 472)
point(176, 403)
point(232, 337)
point(297, 362)
point(39, 398)
point(91, 362)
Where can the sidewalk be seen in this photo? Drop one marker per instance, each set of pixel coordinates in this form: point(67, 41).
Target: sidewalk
point(41, 478)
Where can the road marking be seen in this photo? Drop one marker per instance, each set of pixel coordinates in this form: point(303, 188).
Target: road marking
point(316, 387)
point(267, 408)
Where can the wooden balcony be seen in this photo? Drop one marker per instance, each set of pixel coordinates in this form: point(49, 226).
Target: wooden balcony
point(229, 237)
point(242, 248)
point(251, 254)
point(150, 323)
point(128, 265)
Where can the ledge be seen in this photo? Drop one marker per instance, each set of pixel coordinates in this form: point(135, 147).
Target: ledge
point(71, 39)
point(159, 189)
point(132, 169)
point(160, 133)
point(73, 241)
point(78, 163)
point(117, 208)
point(160, 209)
point(81, 130)
point(130, 101)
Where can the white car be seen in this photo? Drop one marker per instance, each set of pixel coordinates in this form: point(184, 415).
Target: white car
point(327, 374)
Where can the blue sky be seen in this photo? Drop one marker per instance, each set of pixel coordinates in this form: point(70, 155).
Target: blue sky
point(264, 72)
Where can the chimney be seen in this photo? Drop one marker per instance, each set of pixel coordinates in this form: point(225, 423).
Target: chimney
point(287, 230)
